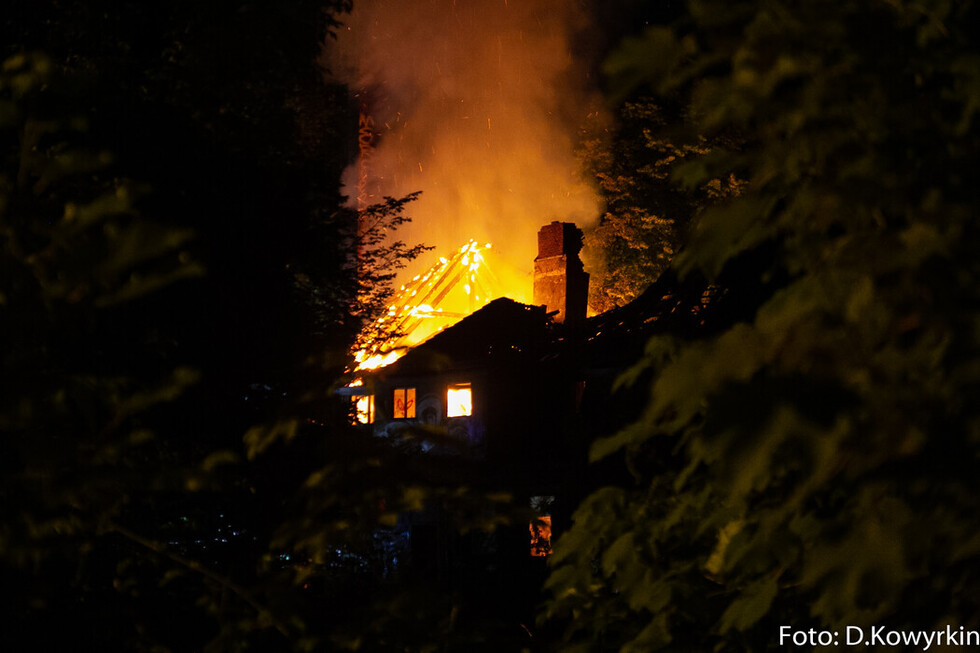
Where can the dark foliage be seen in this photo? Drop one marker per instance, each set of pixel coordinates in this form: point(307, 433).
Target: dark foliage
point(647, 213)
point(810, 463)
point(163, 169)
point(180, 288)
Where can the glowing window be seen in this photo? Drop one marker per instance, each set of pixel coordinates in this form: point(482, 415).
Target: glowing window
point(363, 409)
point(459, 400)
point(541, 536)
point(404, 403)
point(540, 527)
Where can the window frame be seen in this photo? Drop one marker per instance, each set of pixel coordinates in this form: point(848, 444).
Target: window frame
point(409, 403)
point(371, 409)
point(459, 387)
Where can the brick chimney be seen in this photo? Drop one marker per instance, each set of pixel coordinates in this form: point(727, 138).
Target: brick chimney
point(560, 282)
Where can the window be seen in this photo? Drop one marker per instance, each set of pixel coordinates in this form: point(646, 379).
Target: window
point(541, 537)
point(404, 403)
point(540, 526)
point(363, 409)
point(459, 400)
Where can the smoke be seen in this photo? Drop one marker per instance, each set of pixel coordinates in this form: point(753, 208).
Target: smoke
point(477, 103)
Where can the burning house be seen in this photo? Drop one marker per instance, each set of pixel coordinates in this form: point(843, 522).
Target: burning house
point(497, 389)
point(518, 391)
point(497, 378)
point(502, 379)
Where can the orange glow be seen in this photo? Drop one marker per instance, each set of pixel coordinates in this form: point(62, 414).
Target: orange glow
point(363, 409)
point(479, 105)
point(436, 299)
point(404, 403)
point(540, 529)
point(459, 400)
point(374, 361)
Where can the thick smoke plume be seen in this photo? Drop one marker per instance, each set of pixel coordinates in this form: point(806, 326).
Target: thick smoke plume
point(477, 103)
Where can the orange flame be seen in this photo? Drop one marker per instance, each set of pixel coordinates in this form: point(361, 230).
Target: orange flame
point(432, 301)
point(479, 105)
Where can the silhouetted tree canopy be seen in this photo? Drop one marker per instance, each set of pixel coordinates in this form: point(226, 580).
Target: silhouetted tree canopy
point(648, 213)
point(179, 293)
point(178, 296)
point(813, 465)
point(165, 170)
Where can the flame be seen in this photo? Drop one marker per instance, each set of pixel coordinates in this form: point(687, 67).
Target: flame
point(364, 409)
point(478, 105)
point(459, 401)
point(430, 302)
point(371, 362)
point(436, 77)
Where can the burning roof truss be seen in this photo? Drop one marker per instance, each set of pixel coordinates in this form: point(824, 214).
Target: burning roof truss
point(438, 298)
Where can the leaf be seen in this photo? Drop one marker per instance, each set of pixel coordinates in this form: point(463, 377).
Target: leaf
point(716, 560)
point(620, 556)
point(871, 556)
point(750, 606)
point(860, 300)
point(726, 230)
point(223, 457)
point(633, 434)
point(923, 240)
point(180, 380)
point(259, 438)
point(650, 57)
point(138, 285)
point(680, 388)
point(107, 205)
point(655, 635)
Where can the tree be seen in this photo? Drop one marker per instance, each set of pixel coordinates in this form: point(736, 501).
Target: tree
point(85, 371)
point(128, 371)
point(222, 107)
point(177, 471)
point(811, 465)
point(366, 248)
point(647, 213)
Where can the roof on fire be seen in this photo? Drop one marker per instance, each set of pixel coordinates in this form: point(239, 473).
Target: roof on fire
point(497, 331)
